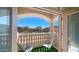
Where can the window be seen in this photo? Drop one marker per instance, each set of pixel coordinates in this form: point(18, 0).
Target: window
point(5, 29)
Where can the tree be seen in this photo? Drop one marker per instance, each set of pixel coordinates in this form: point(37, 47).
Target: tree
point(38, 29)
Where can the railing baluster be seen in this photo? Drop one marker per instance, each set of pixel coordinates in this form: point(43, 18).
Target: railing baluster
point(29, 38)
point(18, 40)
point(21, 39)
point(32, 38)
point(37, 38)
point(25, 38)
point(40, 37)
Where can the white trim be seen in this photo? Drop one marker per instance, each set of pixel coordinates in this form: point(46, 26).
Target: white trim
point(4, 34)
point(55, 12)
point(33, 15)
point(65, 36)
point(46, 10)
point(72, 48)
point(14, 29)
point(73, 13)
point(60, 32)
point(32, 33)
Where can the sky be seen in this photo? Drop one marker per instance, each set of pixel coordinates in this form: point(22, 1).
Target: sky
point(4, 20)
point(33, 22)
point(29, 21)
point(56, 23)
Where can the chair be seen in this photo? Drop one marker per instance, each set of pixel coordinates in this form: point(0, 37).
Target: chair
point(28, 48)
point(49, 42)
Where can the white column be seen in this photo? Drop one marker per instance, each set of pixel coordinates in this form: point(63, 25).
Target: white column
point(51, 26)
point(60, 32)
point(14, 29)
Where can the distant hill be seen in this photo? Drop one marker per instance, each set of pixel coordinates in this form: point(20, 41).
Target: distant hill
point(27, 29)
point(4, 28)
point(56, 29)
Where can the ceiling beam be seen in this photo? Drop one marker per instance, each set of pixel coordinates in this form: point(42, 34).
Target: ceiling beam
point(53, 12)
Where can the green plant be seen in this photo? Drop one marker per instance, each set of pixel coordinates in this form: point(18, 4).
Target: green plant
point(44, 49)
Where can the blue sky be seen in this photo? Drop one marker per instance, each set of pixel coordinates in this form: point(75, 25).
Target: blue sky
point(56, 23)
point(28, 21)
point(34, 22)
point(4, 20)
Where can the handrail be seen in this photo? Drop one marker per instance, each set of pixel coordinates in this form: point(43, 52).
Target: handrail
point(4, 42)
point(4, 34)
point(33, 38)
point(32, 33)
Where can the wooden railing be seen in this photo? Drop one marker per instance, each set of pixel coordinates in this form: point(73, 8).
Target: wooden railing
point(33, 38)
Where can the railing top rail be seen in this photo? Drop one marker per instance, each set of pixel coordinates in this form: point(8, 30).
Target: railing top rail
point(32, 33)
point(4, 34)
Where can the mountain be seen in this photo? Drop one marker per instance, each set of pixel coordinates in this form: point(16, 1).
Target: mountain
point(4, 28)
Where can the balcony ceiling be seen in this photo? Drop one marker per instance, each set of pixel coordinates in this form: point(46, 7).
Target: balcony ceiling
point(48, 10)
point(57, 9)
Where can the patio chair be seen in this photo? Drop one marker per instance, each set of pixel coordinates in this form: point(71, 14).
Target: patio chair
point(49, 42)
point(20, 48)
point(28, 48)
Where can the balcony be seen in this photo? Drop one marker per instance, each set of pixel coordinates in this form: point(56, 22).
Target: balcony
point(35, 39)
